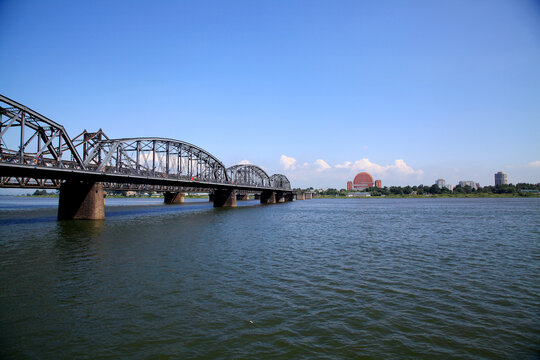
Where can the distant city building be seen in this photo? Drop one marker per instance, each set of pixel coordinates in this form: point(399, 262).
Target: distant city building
point(501, 178)
point(358, 194)
point(378, 184)
point(361, 181)
point(449, 187)
point(349, 186)
point(472, 184)
point(440, 183)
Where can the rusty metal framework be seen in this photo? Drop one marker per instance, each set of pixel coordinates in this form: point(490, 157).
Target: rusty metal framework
point(29, 138)
point(248, 174)
point(36, 152)
point(280, 181)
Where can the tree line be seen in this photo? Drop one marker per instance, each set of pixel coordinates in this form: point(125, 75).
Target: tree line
point(433, 190)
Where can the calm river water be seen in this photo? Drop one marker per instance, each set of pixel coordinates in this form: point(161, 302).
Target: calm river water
point(314, 279)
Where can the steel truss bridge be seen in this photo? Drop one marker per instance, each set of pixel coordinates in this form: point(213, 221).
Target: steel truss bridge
point(36, 152)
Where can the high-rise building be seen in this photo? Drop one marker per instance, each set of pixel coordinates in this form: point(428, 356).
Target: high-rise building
point(501, 178)
point(378, 184)
point(472, 184)
point(440, 183)
point(349, 185)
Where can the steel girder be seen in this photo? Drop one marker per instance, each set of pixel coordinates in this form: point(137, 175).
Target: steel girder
point(253, 175)
point(27, 137)
point(248, 174)
point(155, 157)
point(280, 181)
point(36, 152)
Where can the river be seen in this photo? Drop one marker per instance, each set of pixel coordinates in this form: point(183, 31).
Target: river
point(314, 279)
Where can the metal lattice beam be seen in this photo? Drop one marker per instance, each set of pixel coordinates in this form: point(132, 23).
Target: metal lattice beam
point(27, 137)
point(36, 152)
point(155, 157)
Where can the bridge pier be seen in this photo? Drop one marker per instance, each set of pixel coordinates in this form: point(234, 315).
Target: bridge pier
point(225, 198)
point(280, 197)
point(81, 200)
point(289, 197)
point(300, 196)
point(173, 197)
point(268, 197)
point(242, 197)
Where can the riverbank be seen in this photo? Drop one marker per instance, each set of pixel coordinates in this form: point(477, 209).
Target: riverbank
point(437, 196)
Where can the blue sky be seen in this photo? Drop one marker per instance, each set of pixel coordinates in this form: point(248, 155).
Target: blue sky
point(410, 91)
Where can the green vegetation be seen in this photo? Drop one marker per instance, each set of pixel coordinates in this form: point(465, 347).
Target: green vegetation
point(44, 193)
point(433, 191)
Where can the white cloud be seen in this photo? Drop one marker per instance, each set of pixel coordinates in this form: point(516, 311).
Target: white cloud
point(289, 163)
point(244, 162)
point(399, 167)
point(346, 165)
point(535, 163)
point(320, 173)
point(322, 165)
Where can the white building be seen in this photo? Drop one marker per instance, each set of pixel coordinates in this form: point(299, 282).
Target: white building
point(501, 178)
point(440, 183)
point(472, 184)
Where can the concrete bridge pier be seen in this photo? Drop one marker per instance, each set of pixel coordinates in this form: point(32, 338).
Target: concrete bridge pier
point(225, 198)
point(300, 196)
point(81, 200)
point(308, 196)
point(289, 197)
point(280, 197)
point(268, 197)
point(173, 197)
point(242, 197)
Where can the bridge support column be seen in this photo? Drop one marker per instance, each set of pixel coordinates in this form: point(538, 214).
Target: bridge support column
point(173, 197)
point(308, 196)
point(225, 198)
point(280, 197)
point(81, 200)
point(289, 197)
point(300, 196)
point(268, 197)
point(242, 197)
point(211, 197)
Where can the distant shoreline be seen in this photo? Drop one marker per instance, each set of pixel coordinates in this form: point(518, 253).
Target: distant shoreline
point(437, 196)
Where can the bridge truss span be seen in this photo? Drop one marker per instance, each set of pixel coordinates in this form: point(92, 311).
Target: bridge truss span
point(248, 174)
point(280, 181)
point(155, 157)
point(29, 138)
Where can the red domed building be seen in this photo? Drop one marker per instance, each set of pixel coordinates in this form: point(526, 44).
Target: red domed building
point(363, 181)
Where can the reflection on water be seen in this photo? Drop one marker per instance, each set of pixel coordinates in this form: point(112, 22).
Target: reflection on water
point(374, 278)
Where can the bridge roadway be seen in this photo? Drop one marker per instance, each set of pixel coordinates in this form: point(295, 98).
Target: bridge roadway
point(36, 152)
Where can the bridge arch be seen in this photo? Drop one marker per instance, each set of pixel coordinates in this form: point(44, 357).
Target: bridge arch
point(248, 174)
point(156, 157)
point(280, 181)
